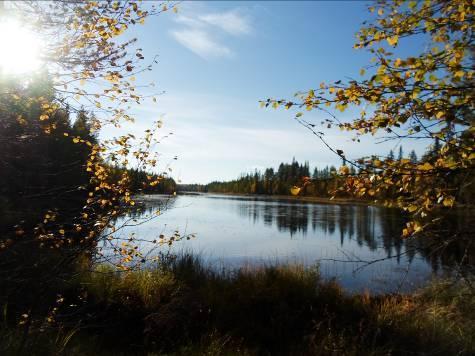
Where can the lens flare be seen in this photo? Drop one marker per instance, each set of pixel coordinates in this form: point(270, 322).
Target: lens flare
point(20, 49)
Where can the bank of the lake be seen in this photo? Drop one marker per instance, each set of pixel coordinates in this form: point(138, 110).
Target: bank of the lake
point(298, 198)
point(181, 307)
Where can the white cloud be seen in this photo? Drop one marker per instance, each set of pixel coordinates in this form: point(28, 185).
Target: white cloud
point(203, 34)
point(189, 21)
point(201, 43)
point(231, 22)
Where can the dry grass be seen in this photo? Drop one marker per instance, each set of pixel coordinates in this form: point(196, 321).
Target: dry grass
point(182, 308)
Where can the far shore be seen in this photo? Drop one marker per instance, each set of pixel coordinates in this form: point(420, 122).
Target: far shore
point(310, 199)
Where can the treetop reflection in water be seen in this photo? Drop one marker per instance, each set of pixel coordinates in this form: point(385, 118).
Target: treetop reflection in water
point(233, 231)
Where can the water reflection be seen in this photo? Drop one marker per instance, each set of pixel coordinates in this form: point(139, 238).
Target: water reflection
point(237, 230)
point(366, 225)
point(369, 226)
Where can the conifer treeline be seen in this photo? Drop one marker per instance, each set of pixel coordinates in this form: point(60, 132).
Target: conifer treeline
point(275, 182)
point(40, 165)
point(323, 181)
point(268, 182)
point(43, 164)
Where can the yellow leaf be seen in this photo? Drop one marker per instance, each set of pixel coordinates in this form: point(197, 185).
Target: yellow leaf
point(295, 190)
point(426, 167)
point(344, 170)
point(417, 227)
point(448, 201)
point(411, 208)
point(392, 40)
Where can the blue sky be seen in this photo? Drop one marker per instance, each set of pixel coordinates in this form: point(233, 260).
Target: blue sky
point(218, 59)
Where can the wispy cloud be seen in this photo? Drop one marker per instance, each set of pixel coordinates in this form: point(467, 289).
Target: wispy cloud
point(203, 33)
point(231, 22)
point(201, 43)
point(189, 21)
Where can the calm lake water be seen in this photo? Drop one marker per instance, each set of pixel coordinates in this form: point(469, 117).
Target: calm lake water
point(235, 231)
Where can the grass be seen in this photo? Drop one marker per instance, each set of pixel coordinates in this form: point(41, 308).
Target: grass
point(180, 307)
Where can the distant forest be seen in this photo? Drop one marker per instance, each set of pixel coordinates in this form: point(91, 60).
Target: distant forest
point(322, 182)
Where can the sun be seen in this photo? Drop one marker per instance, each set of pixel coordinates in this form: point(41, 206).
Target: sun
point(20, 49)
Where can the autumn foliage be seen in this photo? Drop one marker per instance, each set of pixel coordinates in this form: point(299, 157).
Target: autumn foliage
point(425, 96)
point(88, 68)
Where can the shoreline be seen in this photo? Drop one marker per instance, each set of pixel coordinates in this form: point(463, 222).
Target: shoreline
point(313, 199)
point(309, 199)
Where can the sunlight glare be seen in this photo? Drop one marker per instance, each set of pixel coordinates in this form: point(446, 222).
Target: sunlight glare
point(19, 49)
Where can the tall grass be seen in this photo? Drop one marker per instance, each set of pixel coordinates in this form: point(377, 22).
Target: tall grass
point(181, 307)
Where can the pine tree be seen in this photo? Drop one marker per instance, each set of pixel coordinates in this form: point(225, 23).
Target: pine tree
point(401, 154)
point(391, 155)
point(316, 173)
point(413, 156)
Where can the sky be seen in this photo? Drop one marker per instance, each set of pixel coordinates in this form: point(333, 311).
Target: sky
point(216, 60)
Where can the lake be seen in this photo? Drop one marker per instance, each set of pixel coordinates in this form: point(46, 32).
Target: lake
point(344, 240)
